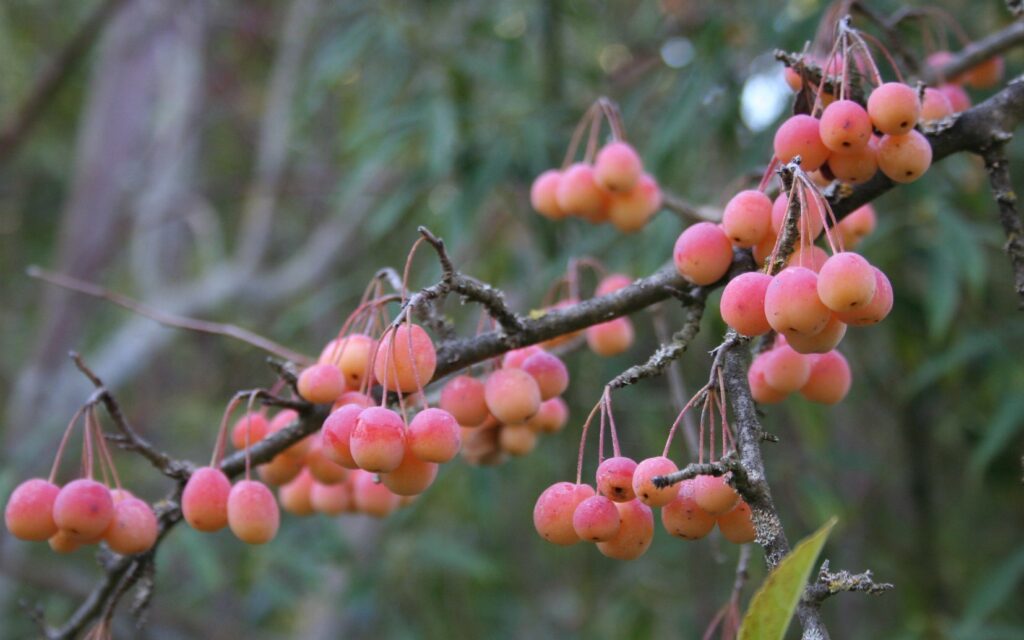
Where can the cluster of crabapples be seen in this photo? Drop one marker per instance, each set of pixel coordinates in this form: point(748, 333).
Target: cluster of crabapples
point(619, 515)
point(613, 189)
point(84, 511)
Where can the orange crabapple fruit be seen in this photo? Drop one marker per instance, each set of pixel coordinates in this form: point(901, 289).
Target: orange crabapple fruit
point(579, 194)
point(904, 158)
point(760, 390)
point(544, 194)
point(83, 508)
point(337, 434)
point(514, 359)
point(204, 501)
point(433, 436)
point(985, 74)
point(517, 439)
point(821, 342)
point(553, 512)
point(742, 303)
point(320, 463)
point(617, 167)
point(411, 477)
point(378, 440)
point(512, 395)
point(629, 211)
point(281, 469)
point(785, 370)
point(610, 338)
point(800, 136)
point(714, 495)
point(549, 372)
point(257, 425)
point(596, 519)
point(855, 167)
point(296, 496)
point(857, 225)
point(321, 383)
point(643, 481)
point(636, 531)
point(331, 499)
point(615, 478)
point(747, 218)
point(253, 514)
point(894, 108)
point(351, 355)
point(935, 105)
point(372, 498)
point(29, 511)
point(844, 126)
point(812, 218)
point(551, 417)
point(702, 253)
point(463, 398)
point(792, 305)
point(957, 97)
point(876, 310)
point(737, 526)
point(409, 356)
point(62, 542)
point(684, 518)
point(830, 379)
point(846, 282)
point(810, 256)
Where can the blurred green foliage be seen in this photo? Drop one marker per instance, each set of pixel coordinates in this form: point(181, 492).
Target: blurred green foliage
point(465, 101)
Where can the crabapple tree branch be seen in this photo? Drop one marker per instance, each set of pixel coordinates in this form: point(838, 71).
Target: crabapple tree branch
point(828, 584)
point(1006, 198)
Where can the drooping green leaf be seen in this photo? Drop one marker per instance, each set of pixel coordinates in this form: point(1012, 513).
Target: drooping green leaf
point(772, 607)
point(1006, 422)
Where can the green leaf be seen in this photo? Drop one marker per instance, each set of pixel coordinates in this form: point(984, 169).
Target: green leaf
point(996, 589)
point(772, 607)
point(1004, 425)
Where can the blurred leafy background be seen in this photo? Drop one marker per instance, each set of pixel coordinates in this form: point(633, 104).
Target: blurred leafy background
point(255, 162)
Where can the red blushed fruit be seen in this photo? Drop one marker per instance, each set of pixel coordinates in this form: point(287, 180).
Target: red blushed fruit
point(857, 226)
point(551, 417)
point(372, 498)
point(800, 136)
point(411, 477)
point(742, 304)
point(617, 167)
point(629, 211)
point(876, 310)
point(517, 439)
point(636, 531)
point(296, 496)
point(463, 398)
point(894, 108)
point(747, 218)
point(321, 384)
point(281, 469)
point(596, 519)
point(610, 338)
point(29, 511)
point(579, 194)
point(204, 502)
point(61, 542)
point(985, 75)
point(855, 167)
point(549, 372)
point(544, 194)
point(904, 158)
point(957, 97)
point(351, 355)
point(643, 481)
point(378, 440)
point(845, 126)
point(133, 529)
point(337, 435)
point(760, 390)
point(410, 363)
point(615, 478)
point(846, 282)
point(830, 379)
point(612, 284)
point(282, 420)
point(737, 526)
point(935, 105)
point(332, 499)
point(714, 495)
point(792, 305)
point(514, 359)
point(812, 257)
point(702, 253)
point(433, 436)
point(253, 514)
point(811, 220)
point(785, 370)
point(553, 513)
point(257, 426)
point(821, 342)
point(512, 395)
point(84, 509)
point(684, 518)
point(320, 461)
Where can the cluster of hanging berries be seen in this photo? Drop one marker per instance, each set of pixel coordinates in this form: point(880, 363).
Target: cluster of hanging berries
point(779, 371)
point(611, 187)
point(507, 410)
point(618, 515)
point(984, 75)
point(84, 511)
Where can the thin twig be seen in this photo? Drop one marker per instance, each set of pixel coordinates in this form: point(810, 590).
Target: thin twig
point(168, 319)
point(829, 584)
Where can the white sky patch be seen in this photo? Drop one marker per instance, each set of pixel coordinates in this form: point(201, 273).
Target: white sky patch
point(765, 96)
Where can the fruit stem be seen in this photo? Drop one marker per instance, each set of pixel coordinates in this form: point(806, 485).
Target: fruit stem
point(64, 442)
